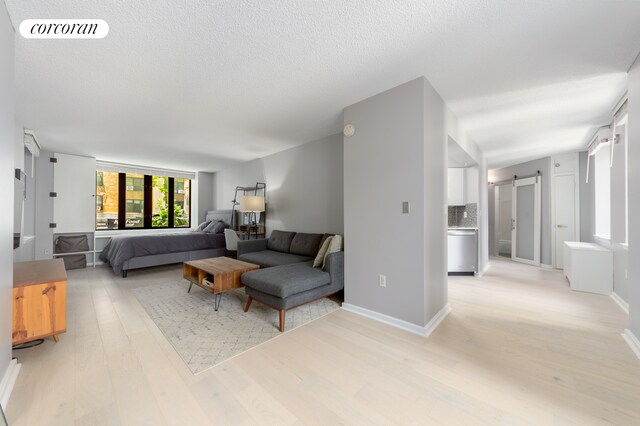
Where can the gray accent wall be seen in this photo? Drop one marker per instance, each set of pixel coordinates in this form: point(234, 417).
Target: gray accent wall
point(525, 170)
point(8, 161)
point(204, 197)
point(634, 197)
point(304, 186)
point(397, 154)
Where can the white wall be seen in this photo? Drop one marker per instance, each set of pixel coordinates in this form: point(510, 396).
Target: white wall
point(304, 186)
point(634, 197)
point(397, 154)
point(8, 161)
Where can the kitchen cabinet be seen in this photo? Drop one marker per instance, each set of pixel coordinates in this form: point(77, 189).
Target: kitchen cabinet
point(457, 187)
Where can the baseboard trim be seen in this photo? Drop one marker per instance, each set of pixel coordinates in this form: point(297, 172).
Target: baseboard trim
point(545, 266)
point(8, 381)
point(424, 331)
point(632, 341)
point(437, 319)
point(620, 302)
point(484, 270)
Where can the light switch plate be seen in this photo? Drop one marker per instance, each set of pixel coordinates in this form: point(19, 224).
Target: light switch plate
point(405, 207)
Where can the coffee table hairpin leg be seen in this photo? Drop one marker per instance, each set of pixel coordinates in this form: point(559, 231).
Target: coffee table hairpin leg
point(216, 301)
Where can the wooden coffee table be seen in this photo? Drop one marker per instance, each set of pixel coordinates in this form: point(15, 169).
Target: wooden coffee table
point(216, 275)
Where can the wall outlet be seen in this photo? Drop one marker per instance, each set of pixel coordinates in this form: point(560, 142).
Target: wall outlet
point(626, 274)
point(47, 251)
point(464, 214)
point(382, 280)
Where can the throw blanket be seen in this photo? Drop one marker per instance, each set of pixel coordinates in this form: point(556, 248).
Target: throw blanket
point(124, 247)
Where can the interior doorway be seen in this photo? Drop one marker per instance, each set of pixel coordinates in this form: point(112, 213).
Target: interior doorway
point(503, 201)
point(526, 216)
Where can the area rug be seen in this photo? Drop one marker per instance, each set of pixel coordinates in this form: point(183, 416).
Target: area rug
point(203, 337)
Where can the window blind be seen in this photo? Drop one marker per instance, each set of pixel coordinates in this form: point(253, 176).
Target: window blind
point(107, 166)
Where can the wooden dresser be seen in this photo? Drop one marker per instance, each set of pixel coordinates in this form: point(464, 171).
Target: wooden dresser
point(39, 300)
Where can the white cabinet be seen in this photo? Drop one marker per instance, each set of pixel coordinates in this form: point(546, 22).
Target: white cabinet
point(457, 187)
point(588, 267)
point(74, 184)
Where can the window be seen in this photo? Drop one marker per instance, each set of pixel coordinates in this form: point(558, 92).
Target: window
point(141, 201)
point(182, 202)
point(107, 200)
point(160, 202)
point(603, 191)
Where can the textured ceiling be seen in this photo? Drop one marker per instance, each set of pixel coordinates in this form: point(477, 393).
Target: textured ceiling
point(199, 85)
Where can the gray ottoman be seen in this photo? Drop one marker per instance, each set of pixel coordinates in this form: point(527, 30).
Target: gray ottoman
point(288, 286)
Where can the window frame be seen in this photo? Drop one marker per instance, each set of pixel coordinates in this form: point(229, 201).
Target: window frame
point(147, 203)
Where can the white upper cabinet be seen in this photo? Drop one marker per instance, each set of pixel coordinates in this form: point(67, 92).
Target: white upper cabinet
point(457, 187)
point(74, 182)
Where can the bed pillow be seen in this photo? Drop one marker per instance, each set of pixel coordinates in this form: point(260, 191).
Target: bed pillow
point(209, 227)
point(203, 225)
point(219, 227)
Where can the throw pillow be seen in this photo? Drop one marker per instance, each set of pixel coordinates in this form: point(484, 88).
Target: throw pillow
point(219, 227)
point(334, 246)
point(203, 225)
point(319, 260)
point(209, 227)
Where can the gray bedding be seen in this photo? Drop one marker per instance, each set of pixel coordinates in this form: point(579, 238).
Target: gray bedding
point(125, 247)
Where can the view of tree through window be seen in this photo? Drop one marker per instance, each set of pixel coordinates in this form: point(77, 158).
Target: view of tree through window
point(160, 217)
point(145, 202)
point(181, 202)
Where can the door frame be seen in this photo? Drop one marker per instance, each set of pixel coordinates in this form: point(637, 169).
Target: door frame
point(552, 201)
point(536, 181)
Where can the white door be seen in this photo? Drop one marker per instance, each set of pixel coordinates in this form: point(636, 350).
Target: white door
point(74, 181)
point(526, 211)
point(565, 214)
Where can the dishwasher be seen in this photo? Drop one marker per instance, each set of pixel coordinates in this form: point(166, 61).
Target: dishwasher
point(463, 251)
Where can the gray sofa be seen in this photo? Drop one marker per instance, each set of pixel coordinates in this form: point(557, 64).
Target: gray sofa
point(287, 278)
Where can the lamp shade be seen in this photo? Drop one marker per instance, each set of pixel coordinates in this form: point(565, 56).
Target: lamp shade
point(251, 203)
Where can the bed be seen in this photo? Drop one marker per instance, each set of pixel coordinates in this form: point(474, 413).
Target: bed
point(126, 252)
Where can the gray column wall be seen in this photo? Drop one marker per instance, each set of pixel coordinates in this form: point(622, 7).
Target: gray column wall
point(397, 154)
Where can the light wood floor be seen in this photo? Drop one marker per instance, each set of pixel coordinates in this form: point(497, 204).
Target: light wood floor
point(518, 348)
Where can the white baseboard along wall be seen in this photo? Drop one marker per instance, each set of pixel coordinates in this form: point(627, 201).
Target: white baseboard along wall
point(398, 323)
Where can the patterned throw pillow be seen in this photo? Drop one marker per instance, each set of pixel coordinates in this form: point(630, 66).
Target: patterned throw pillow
point(334, 246)
point(210, 226)
point(203, 225)
point(219, 227)
point(318, 262)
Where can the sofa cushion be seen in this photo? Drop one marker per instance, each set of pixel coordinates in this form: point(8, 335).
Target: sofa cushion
point(324, 238)
point(286, 280)
point(305, 244)
point(280, 241)
point(269, 258)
